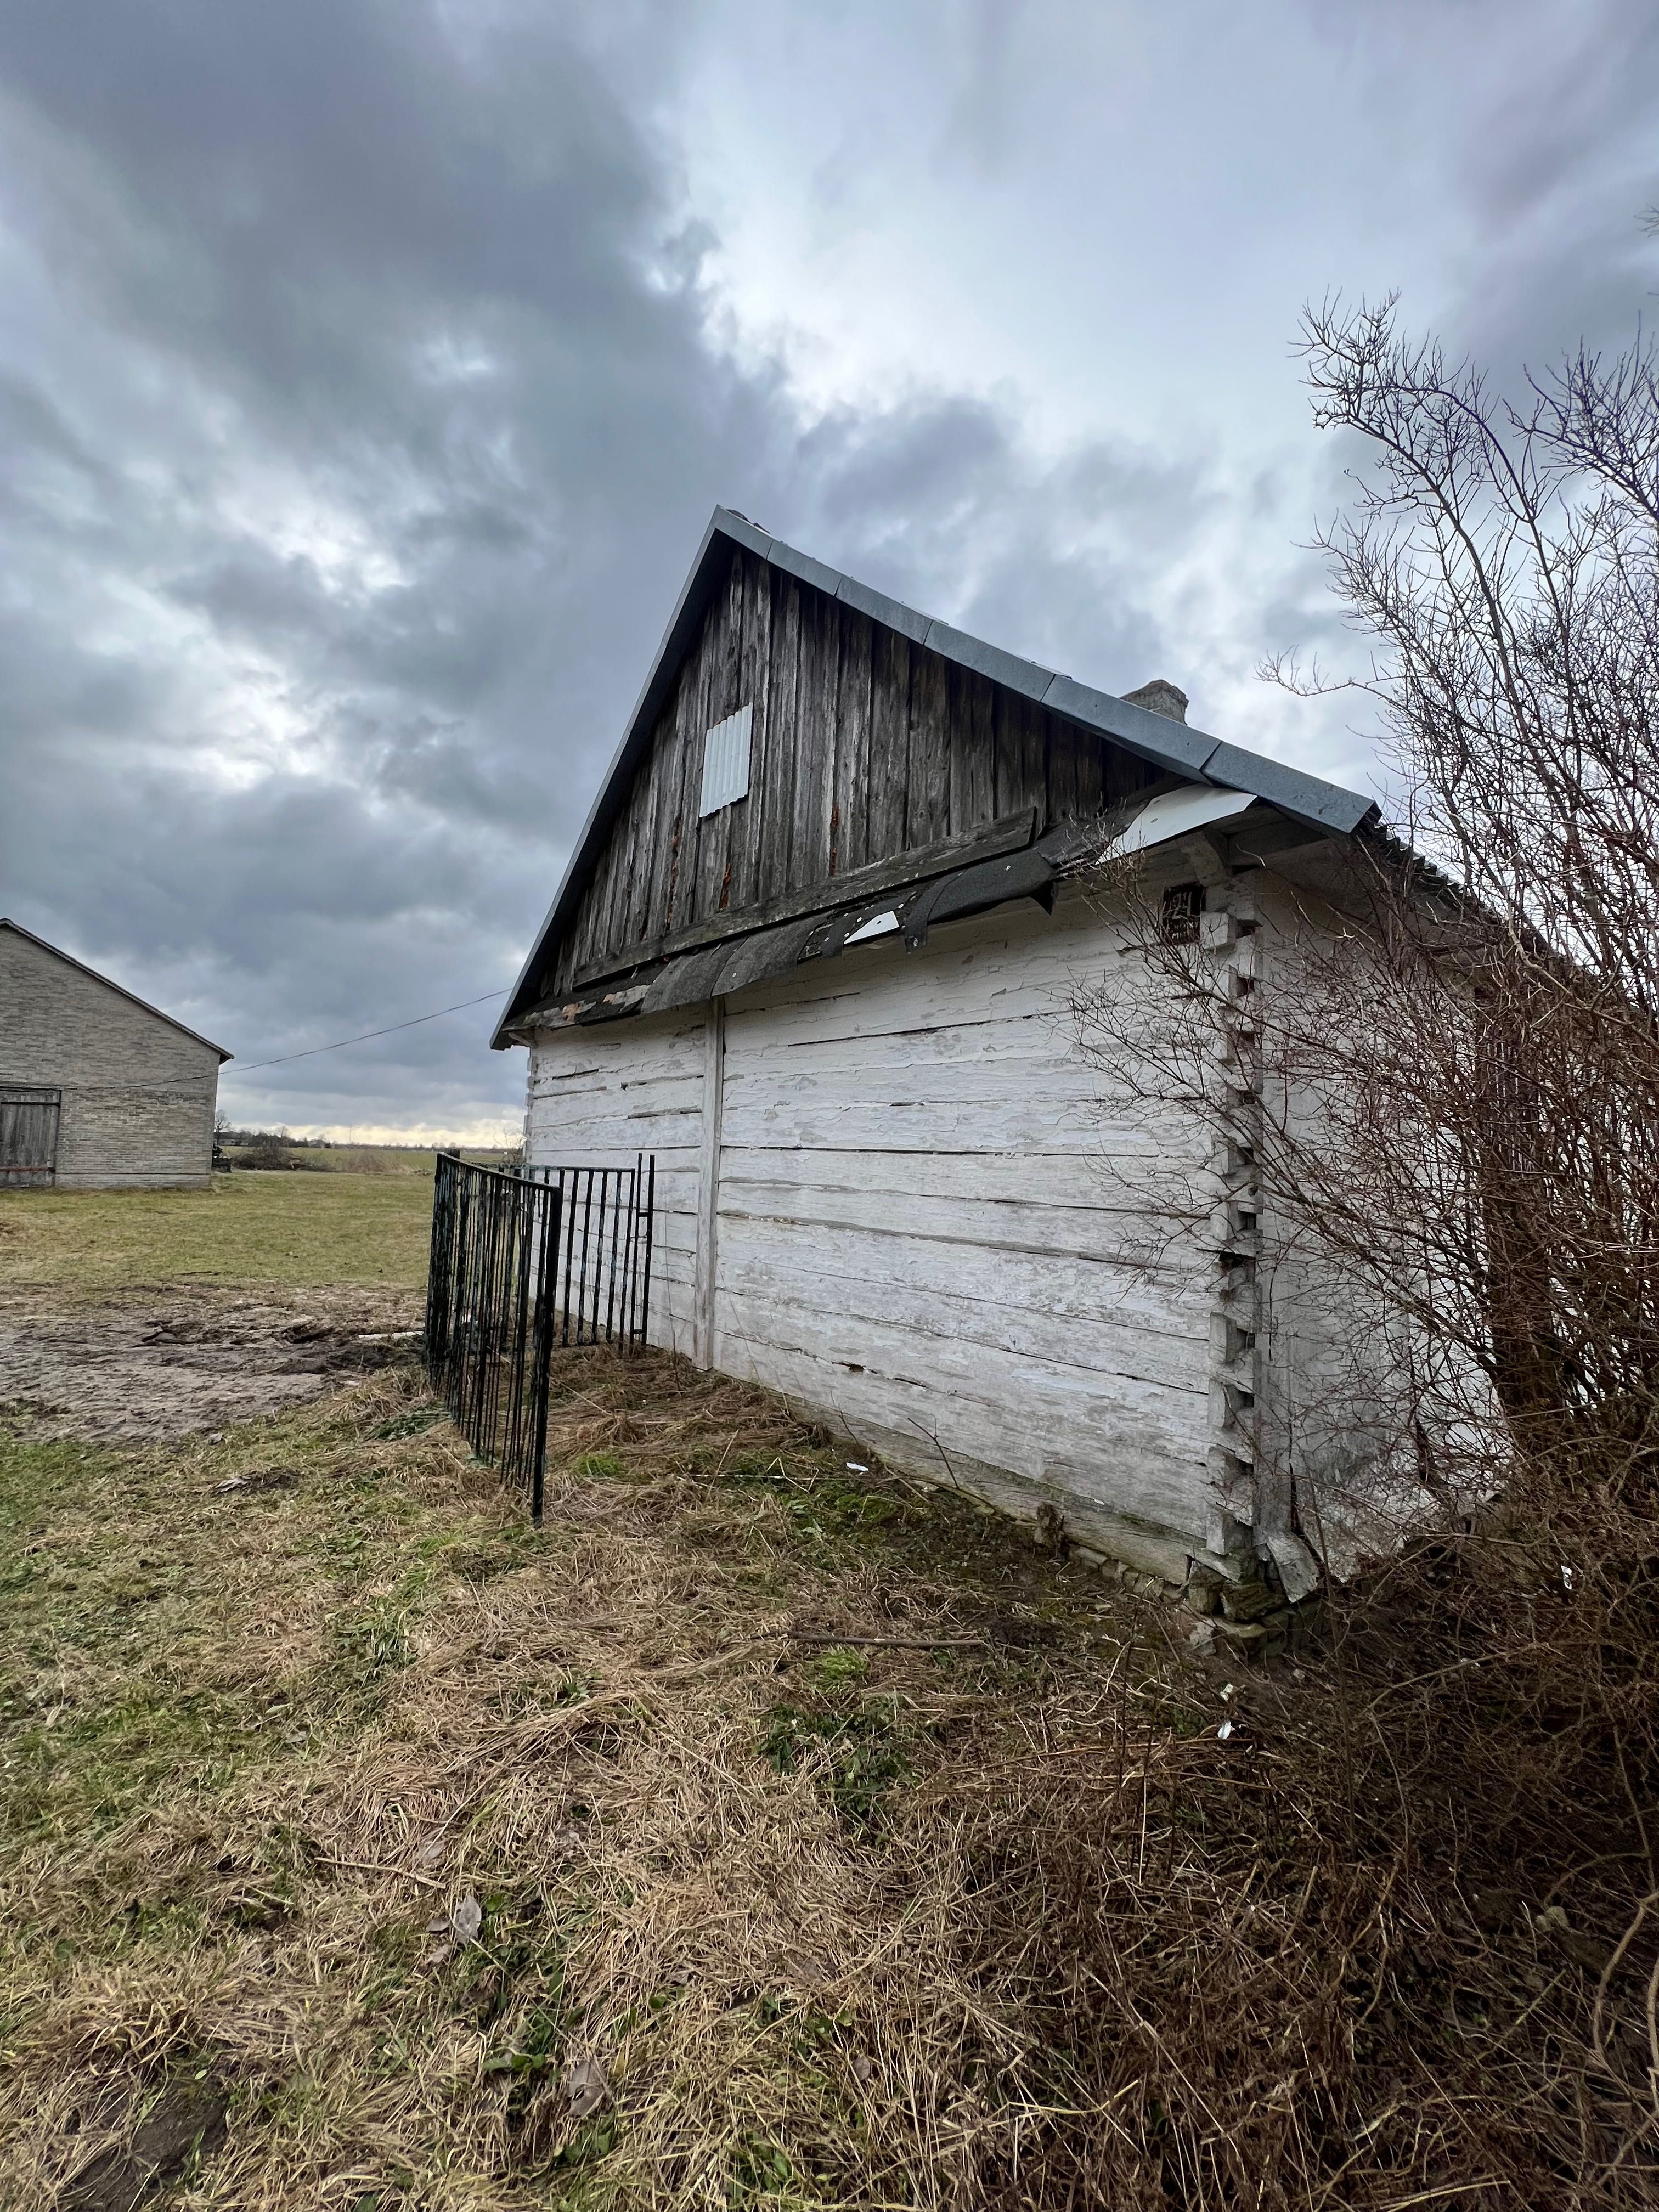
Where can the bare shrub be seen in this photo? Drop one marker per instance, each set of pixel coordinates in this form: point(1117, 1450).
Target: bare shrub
point(1444, 1085)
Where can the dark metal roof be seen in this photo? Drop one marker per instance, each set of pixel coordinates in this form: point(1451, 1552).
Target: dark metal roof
point(1173, 746)
point(133, 997)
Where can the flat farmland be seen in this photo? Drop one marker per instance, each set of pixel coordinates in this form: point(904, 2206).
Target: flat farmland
point(252, 1229)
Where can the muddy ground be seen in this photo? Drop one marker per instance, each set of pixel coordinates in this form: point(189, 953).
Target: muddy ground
point(152, 1366)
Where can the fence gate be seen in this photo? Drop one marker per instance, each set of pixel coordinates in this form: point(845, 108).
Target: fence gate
point(28, 1133)
point(521, 1263)
point(604, 1266)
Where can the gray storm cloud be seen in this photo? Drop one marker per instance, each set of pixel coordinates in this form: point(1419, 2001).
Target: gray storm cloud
point(363, 392)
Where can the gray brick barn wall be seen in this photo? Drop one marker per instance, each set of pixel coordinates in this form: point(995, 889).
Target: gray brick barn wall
point(138, 1095)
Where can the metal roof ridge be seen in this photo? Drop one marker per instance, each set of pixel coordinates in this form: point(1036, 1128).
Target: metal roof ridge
point(1178, 746)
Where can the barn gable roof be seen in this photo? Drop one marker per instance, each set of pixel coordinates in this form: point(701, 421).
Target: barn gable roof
point(120, 990)
point(1175, 748)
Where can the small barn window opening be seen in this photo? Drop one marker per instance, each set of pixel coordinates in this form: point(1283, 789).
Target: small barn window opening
point(1182, 905)
point(726, 762)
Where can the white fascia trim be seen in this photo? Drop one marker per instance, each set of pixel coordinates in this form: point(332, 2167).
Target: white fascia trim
point(1174, 814)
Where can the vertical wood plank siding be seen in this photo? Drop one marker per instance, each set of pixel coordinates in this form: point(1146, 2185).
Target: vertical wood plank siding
point(849, 818)
point(890, 726)
point(866, 745)
point(770, 826)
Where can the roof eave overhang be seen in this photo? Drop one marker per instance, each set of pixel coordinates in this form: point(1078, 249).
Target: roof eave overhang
point(1232, 822)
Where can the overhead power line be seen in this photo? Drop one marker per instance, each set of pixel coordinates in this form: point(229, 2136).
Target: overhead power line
point(282, 1059)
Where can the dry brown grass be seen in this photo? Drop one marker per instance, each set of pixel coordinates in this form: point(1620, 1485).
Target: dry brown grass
point(976, 1911)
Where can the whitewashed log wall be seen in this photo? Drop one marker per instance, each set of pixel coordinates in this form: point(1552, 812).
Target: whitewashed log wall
point(921, 1222)
point(599, 1095)
point(1353, 1394)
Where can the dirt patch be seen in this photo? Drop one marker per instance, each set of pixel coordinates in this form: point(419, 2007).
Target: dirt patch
point(186, 2122)
point(179, 1363)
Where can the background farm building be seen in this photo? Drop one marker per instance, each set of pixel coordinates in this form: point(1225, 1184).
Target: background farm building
point(96, 1088)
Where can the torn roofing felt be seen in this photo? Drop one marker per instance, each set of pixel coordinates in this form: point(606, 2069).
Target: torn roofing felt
point(1175, 747)
point(906, 909)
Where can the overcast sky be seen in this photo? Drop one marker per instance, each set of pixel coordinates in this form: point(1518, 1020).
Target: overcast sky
point(369, 369)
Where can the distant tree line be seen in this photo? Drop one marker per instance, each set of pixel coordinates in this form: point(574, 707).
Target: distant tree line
point(277, 1148)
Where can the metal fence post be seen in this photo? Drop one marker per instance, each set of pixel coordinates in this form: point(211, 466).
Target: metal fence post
point(547, 1272)
point(650, 1220)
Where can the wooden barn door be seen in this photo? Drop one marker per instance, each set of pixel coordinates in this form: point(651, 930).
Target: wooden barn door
point(28, 1134)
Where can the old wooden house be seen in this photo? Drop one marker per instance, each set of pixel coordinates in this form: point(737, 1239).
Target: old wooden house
point(97, 1089)
point(816, 949)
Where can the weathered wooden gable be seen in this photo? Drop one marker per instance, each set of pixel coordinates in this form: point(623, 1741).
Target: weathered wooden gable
point(866, 745)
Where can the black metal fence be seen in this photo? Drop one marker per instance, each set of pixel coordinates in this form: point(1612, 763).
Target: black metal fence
point(520, 1262)
point(604, 1267)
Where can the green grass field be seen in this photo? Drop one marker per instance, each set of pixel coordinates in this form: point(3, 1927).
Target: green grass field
point(301, 1232)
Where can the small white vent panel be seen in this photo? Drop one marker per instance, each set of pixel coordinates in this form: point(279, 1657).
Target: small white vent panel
point(725, 761)
point(883, 925)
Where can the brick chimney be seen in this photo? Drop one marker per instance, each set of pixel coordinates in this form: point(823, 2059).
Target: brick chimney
point(1160, 696)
